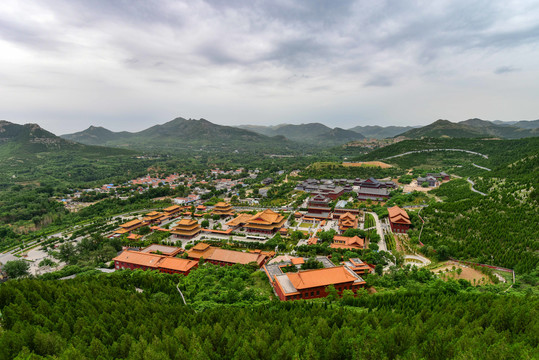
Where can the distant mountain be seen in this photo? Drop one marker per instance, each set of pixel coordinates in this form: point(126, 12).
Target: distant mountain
point(469, 129)
point(95, 135)
point(311, 133)
point(380, 132)
point(182, 134)
point(527, 124)
point(29, 138)
point(503, 131)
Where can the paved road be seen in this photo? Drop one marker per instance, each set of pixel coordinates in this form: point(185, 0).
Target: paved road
point(382, 243)
point(430, 150)
point(481, 167)
point(474, 190)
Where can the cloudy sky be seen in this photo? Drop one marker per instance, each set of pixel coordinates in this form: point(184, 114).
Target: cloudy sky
point(126, 65)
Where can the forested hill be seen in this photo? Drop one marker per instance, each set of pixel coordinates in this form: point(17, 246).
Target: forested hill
point(103, 317)
point(183, 134)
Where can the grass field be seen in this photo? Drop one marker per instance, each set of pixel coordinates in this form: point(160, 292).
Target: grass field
point(368, 164)
point(472, 275)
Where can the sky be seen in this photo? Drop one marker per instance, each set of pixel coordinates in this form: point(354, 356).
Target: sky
point(131, 64)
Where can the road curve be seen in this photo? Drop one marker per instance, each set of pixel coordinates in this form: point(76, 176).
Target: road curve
point(474, 190)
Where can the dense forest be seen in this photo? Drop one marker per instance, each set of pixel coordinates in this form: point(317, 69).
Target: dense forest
point(104, 317)
point(498, 229)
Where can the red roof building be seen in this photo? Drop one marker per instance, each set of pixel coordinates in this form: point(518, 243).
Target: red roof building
point(222, 257)
point(399, 219)
point(311, 284)
point(351, 243)
point(129, 259)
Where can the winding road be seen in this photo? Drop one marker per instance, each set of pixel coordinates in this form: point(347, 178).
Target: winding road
point(431, 150)
point(474, 190)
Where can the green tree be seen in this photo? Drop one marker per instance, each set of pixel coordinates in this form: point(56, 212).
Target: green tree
point(16, 268)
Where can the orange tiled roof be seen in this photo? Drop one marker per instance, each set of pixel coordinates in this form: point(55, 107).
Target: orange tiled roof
point(174, 263)
point(398, 215)
point(138, 258)
point(297, 261)
point(320, 277)
point(229, 256)
point(239, 220)
point(172, 208)
point(131, 223)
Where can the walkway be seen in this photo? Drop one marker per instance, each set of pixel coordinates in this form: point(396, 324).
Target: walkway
point(417, 258)
point(382, 243)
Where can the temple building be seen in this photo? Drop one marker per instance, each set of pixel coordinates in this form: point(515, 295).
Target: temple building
point(129, 259)
point(154, 217)
point(318, 207)
point(311, 284)
point(239, 221)
point(351, 243)
point(347, 221)
point(172, 211)
point(358, 266)
point(223, 209)
point(222, 257)
point(130, 226)
point(162, 250)
point(265, 222)
point(186, 229)
point(399, 219)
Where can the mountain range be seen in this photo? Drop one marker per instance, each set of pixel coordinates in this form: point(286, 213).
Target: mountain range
point(185, 134)
point(311, 133)
point(321, 134)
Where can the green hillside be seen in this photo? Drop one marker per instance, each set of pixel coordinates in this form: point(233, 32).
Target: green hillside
point(443, 128)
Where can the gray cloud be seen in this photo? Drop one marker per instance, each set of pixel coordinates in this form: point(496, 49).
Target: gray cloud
point(239, 58)
point(380, 80)
point(505, 69)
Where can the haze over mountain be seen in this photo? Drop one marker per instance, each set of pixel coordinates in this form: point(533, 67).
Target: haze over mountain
point(381, 132)
point(469, 129)
point(181, 133)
